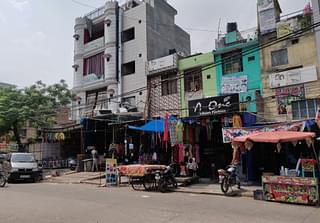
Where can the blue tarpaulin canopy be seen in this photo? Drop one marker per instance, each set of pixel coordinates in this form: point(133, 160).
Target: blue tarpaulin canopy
point(152, 126)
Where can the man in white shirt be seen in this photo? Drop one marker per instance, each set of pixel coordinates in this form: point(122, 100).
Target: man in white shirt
point(94, 154)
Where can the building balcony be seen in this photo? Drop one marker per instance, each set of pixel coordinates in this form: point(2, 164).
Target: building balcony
point(95, 13)
point(94, 45)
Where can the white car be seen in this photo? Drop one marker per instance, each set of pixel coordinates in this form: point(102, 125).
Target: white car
point(23, 166)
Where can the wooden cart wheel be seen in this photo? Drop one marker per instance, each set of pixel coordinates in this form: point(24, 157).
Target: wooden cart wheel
point(136, 183)
point(149, 182)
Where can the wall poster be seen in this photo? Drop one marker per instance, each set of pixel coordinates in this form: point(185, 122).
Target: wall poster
point(234, 85)
point(288, 94)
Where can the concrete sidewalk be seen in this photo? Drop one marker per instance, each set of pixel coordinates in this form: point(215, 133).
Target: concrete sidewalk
point(73, 177)
point(203, 187)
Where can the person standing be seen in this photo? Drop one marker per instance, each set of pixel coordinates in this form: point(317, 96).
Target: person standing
point(94, 154)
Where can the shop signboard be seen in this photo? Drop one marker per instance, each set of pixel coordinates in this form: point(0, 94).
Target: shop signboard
point(293, 77)
point(288, 94)
point(267, 21)
point(214, 105)
point(286, 27)
point(229, 133)
point(162, 64)
point(234, 85)
point(265, 5)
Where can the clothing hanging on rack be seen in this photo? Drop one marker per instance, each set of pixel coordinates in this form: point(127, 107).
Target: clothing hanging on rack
point(172, 131)
point(179, 131)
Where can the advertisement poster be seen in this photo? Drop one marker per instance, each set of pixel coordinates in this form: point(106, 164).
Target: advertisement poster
point(111, 172)
point(293, 77)
point(290, 189)
point(234, 85)
point(214, 105)
point(286, 95)
point(267, 21)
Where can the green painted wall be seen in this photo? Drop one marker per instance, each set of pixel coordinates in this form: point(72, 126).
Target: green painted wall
point(250, 68)
point(209, 78)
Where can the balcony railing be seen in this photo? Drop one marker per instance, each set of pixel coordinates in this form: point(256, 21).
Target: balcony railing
point(95, 44)
point(92, 78)
point(95, 13)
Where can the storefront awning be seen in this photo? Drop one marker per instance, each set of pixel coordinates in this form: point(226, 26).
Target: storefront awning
point(275, 137)
point(151, 126)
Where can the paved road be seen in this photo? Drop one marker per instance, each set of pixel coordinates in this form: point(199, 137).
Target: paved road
point(55, 203)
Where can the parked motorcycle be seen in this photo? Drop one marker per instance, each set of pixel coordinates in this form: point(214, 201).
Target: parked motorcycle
point(228, 178)
point(165, 179)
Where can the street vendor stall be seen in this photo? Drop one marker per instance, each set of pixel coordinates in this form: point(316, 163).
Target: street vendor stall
point(298, 185)
point(140, 175)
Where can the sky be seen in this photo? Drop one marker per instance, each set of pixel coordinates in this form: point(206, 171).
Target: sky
point(36, 40)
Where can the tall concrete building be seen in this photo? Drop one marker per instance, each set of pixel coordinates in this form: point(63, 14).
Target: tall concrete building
point(112, 45)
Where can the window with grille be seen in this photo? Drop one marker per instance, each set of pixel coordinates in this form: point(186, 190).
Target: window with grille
point(304, 109)
point(232, 62)
point(193, 80)
point(168, 84)
point(279, 57)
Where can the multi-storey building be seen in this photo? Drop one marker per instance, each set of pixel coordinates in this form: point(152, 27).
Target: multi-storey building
point(198, 79)
point(289, 65)
point(112, 47)
point(238, 66)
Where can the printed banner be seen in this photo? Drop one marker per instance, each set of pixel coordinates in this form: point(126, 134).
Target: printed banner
point(229, 133)
point(234, 85)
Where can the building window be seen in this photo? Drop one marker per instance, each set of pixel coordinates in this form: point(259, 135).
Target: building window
point(97, 99)
point(127, 35)
point(129, 102)
point(232, 62)
point(94, 65)
point(129, 68)
point(304, 109)
point(169, 84)
point(279, 57)
point(193, 80)
point(96, 32)
point(251, 58)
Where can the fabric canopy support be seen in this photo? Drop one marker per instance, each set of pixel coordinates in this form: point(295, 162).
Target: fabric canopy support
point(152, 126)
point(275, 137)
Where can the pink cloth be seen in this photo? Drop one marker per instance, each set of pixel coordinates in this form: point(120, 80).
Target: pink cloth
point(166, 128)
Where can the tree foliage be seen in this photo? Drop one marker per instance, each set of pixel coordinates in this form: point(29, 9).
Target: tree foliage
point(36, 104)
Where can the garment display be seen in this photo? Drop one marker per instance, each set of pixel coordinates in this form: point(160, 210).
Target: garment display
point(172, 132)
point(236, 121)
point(197, 134)
point(179, 131)
point(197, 153)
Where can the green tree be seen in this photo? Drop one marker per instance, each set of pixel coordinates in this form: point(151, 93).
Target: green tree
point(36, 103)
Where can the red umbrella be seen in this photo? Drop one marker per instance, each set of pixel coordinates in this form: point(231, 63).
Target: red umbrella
point(275, 137)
